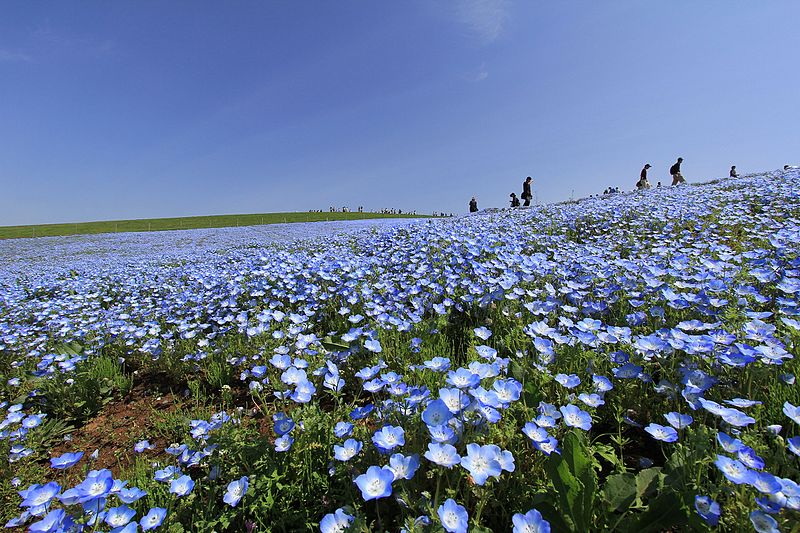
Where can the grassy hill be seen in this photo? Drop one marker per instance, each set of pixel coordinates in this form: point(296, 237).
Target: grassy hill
point(163, 224)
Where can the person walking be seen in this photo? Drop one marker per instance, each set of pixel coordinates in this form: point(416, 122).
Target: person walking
point(675, 172)
point(526, 191)
point(643, 183)
point(473, 205)
point(514, 200)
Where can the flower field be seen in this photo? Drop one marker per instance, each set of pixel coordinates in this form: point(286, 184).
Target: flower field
point(624, 363)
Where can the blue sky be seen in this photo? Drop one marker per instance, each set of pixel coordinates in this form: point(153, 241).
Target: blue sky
point(147, 109)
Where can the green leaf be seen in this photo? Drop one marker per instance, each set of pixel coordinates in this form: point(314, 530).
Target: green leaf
point(334, 344)
point(648, 482)
point(573, 477)
point(664, 512)
point(620, 491)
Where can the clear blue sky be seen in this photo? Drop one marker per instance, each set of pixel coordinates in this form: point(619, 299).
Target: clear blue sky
point(146, 109)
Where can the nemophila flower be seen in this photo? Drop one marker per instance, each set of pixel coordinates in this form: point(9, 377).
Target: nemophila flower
point(454, 517)
point(463, 379)
point(131, 495)
point(576, 417)
point(66, 460)
point(181, 486)
point(662, 433)
point(530, 522)
point(592, 400)
point(487, 352)
point(569, 381)
point(774, 429)
point(119, 516)
point(749, 458)
point(708, 509)
point(534, 432)
point(677, 420)
point(481, 462)
point(282, 444)
point(349, 449)
point(403, 467)
point(98, 484)
point(728, 443)
point(235, 491)
point(388, 438)
point(507, 390)
point(763, 523)
point(792, 412)
point(130, 527)
point(438, 364)
point(283, 424)
point(31, 421)
point(50, 523)
point(794, 445)
point(38, 496)
point(343, 429)
point(153, 518)
point(167, 473)
point(482, 332)
point(442, 454)
point(375, 483)
point(766, 483)
point(361, 412)
point(736, 418)
point(373, 346)
point(436, 413)
point(455, 399)
point(734, 470)
point(336, 522)
point(601, 383)
point(442, 433)
point(142, 445)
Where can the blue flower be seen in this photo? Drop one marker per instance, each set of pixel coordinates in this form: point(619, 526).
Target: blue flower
point(131, 495)
point(119, 516)
point(283, 424)
point(708, 509)
point(403, 467)
point(763, 523)
point(454, 517)
point(235, 491)
point(375, 483)
point(463, 379)
point(662, 433)
point(794, 445)
point(335, 522)
point(530, 522)
point(436, 413)
point(181, 486)
point(343, 429)
point(734, 470)
point(677, 420)
point(38, 496)
point(153, 518)
point(569, 381)
point(792, 412)
point(142, 445)
point(50, 523)
point(442, 454)
point(481, 462)
point(65, 461)
point(282, 444)
point(388, 438)
point(97, 484)
point(575, 417)
point(349, 449)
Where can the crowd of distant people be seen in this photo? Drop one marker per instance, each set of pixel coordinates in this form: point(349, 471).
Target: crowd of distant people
point(384, 211)
point(642, 184)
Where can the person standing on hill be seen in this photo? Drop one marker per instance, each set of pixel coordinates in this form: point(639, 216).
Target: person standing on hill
point(643, 183)
point(733, 173)
point(514, 200)
point(526, 191)
point(473, 205)
point(675, 172)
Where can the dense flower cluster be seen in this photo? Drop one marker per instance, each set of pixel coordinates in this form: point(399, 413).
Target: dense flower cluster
point(454, 357)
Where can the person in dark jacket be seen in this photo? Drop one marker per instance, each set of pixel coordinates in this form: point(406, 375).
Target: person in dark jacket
point(526, 191)
point(514, 200)
point(733, 173)
point(643, 183)
point(473, 205)
point(675, 172)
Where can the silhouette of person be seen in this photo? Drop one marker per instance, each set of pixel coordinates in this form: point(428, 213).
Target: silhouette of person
point(473, 205)
point(514, 200)
point(526, 191)
point(733, 173)
point(675, 172)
